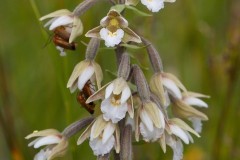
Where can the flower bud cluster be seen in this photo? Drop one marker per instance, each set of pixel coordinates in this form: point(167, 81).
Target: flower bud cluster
point(129, 105)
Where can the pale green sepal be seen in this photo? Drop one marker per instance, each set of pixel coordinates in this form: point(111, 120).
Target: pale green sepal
point(194, 94)
point(130, 107)
point(62, 12)
point(185, 111)
point(180, 123)
point(85, 134)
point(129, 35)
point(156, 87)
point(59, 150)
point(153, 112)
point(117, 137)
point(119, 85)
point(94, 32)
point(77, 71)
point(77, 29)
point(132, 46)
point(138, 12)
point(98, 127)
point(98, 95)
point(98, 73)
point(43, 133)
point(162, 142)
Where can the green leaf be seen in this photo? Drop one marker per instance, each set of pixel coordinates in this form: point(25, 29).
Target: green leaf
point(119, 7)
point(141, 13)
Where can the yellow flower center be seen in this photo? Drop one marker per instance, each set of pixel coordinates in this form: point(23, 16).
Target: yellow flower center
point(114, 23)
point(112, 34)
point(115, 100)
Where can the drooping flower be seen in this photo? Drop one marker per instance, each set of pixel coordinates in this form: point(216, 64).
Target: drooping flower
point(149, 121)
point(66, 27)
point(84, 71)
point(113, 30)
point(102, 137)
point(56, 144)
point(193, 99)
point(117, 100)
point(155, 5)
point(162, 81)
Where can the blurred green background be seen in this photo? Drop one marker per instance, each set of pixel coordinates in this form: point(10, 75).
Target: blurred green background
point(198, 40)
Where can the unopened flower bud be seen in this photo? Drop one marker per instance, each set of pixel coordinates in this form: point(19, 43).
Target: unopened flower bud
point(124, 67)
point(141, 83)
point(154, 57)
point(92, 48)
point(83, 7)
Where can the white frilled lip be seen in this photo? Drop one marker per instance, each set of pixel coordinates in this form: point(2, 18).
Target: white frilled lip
point(100, 148)
point(150, 135)
point(154, 5)
point(113, 112)
point(111, 39)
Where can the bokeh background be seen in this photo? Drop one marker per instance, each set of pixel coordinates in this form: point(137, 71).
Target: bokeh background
point(198, 40)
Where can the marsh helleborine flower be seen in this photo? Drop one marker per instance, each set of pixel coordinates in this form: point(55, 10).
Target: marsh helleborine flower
point(56, 144)
point(84, 71)
point(113, 30)
point(102, 138)
point(68, 21)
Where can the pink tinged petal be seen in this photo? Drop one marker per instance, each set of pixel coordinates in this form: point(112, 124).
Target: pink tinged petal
point(171, 87)
point(109, 90)
point(61, 21)
point(47, 141)
point(195, 102)
point(85, 76)
point(146, 120)
point(108, 132)
point(180, 133)
point(99, 148)
point(126, 93)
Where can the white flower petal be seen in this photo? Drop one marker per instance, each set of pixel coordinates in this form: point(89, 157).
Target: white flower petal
point(153, 5)
point(108, 132)
point(85, 76)
point(176, 146)
point(111, 39)
point(109, 90)
point(146, 120)
point(126, 93)
point(193, 101)
point(99, 148)
point(113, 113)
point(34, 141)
point(148, 135)
point(171, 87)
point(61, 21)
point(180, 133)
point(41, 155)
point(47, 140)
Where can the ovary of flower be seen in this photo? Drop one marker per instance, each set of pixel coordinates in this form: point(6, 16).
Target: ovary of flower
point(111, 39)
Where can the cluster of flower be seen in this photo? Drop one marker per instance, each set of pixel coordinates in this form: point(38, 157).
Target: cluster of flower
point(142, 110)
